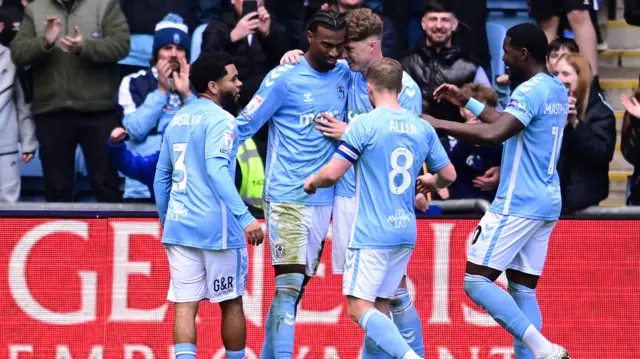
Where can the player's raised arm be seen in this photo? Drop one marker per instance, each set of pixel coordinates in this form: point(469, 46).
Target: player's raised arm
point(496, 127)
point(162, 181)
point(264, 103)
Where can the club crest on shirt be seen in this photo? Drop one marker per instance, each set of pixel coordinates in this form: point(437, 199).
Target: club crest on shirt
point(341, 93)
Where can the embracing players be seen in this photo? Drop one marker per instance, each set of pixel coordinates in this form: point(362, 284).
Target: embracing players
point(388, 146)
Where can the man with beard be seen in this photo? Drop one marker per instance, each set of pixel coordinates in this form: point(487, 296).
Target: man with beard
point(513, 235)
point(291, 97)
point(438, 61)
point(201, 212)
point(150, 98)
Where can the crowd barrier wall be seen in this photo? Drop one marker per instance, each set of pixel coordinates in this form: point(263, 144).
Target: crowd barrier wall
point(87, 284)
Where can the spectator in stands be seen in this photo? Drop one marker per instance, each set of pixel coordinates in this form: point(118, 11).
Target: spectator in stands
point(437, 61)
point(391, 46)
point(478, 167)
point(74, 57)
point(548, 13)
point(630, 146)
point(589, 138)
point(16, 124)
point(256, 41)
point(150, 98)
point(558, 48)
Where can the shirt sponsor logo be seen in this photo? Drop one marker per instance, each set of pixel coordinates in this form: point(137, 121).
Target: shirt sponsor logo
point(400, 219)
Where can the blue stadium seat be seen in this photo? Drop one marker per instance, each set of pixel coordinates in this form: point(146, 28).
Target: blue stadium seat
point(497, 26)
point(141, 51)
point(518, 5)
point(196, 42)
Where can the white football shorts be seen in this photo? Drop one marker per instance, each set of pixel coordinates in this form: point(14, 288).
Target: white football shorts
point(344, 211)
point(508, 242)
point(374, 273)
point(297, 233)
point(197, 274)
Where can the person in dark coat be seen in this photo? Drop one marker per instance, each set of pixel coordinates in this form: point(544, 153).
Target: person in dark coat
point(589, 137)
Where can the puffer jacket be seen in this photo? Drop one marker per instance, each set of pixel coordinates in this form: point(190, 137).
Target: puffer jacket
point(431, 69)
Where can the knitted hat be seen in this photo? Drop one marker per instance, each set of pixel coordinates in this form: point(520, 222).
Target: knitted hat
point(171, 30)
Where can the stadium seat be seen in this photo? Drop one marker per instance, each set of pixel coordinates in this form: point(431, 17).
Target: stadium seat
point(141, 51)
point(196, 42)
point(497, 26)
point(518, 5)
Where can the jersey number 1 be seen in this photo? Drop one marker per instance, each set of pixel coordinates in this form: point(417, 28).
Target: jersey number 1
point(557, 138)
point(402, 170)
point(179, 166)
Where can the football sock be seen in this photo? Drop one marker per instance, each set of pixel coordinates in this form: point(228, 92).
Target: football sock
point(385, 335)
point(406, 318)
point(525, 298)
point(185, 351)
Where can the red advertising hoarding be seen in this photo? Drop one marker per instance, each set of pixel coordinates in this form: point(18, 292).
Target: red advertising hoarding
point(96, 288)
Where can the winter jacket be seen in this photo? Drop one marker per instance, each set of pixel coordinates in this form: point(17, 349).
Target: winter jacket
point(430, 69)
point(85, 82)
point(16, 123)
point(586, 151)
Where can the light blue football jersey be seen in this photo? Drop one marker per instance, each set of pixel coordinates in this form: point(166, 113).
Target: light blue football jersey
point(290, 98)
point(358, 103)
point(196, 215)
point(529, 183)
point(388, 148)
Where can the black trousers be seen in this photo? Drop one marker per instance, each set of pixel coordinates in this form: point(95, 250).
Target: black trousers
point(59, 134)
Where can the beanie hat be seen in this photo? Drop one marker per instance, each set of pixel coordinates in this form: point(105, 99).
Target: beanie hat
point(171, 30)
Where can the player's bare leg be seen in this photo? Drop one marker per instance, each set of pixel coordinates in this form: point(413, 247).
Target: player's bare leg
point(280, 325)
point(479, 286)
point(184, 330)
point(406, 318)
point(378, 327)
point(233, 328)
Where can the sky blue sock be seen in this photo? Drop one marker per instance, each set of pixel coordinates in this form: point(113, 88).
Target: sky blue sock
point(406, 318)
point(497, 303)
point(185, 351)
point(267, 344)
point(526, 300)
point(383, 333)
point(282, 312)
point(371, 351)
point(235, 355)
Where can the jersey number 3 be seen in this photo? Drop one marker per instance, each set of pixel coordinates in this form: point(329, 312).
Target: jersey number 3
point(402, 170)
point(180, 167)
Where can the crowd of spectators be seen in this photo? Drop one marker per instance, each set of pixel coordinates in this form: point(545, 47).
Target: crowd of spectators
point(108, 75)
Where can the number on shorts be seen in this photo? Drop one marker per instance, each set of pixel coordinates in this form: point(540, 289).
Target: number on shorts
point(476, 235)
point(398, 169)
point(180, 167)
point(555, 130)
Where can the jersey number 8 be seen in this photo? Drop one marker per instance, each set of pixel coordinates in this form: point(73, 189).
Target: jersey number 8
point(402, 170)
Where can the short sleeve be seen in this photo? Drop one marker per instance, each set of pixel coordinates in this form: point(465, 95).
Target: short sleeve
point(354, 140)
point(523, 103)
point(220, 137)
point(411, 97)
point(437, 158)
